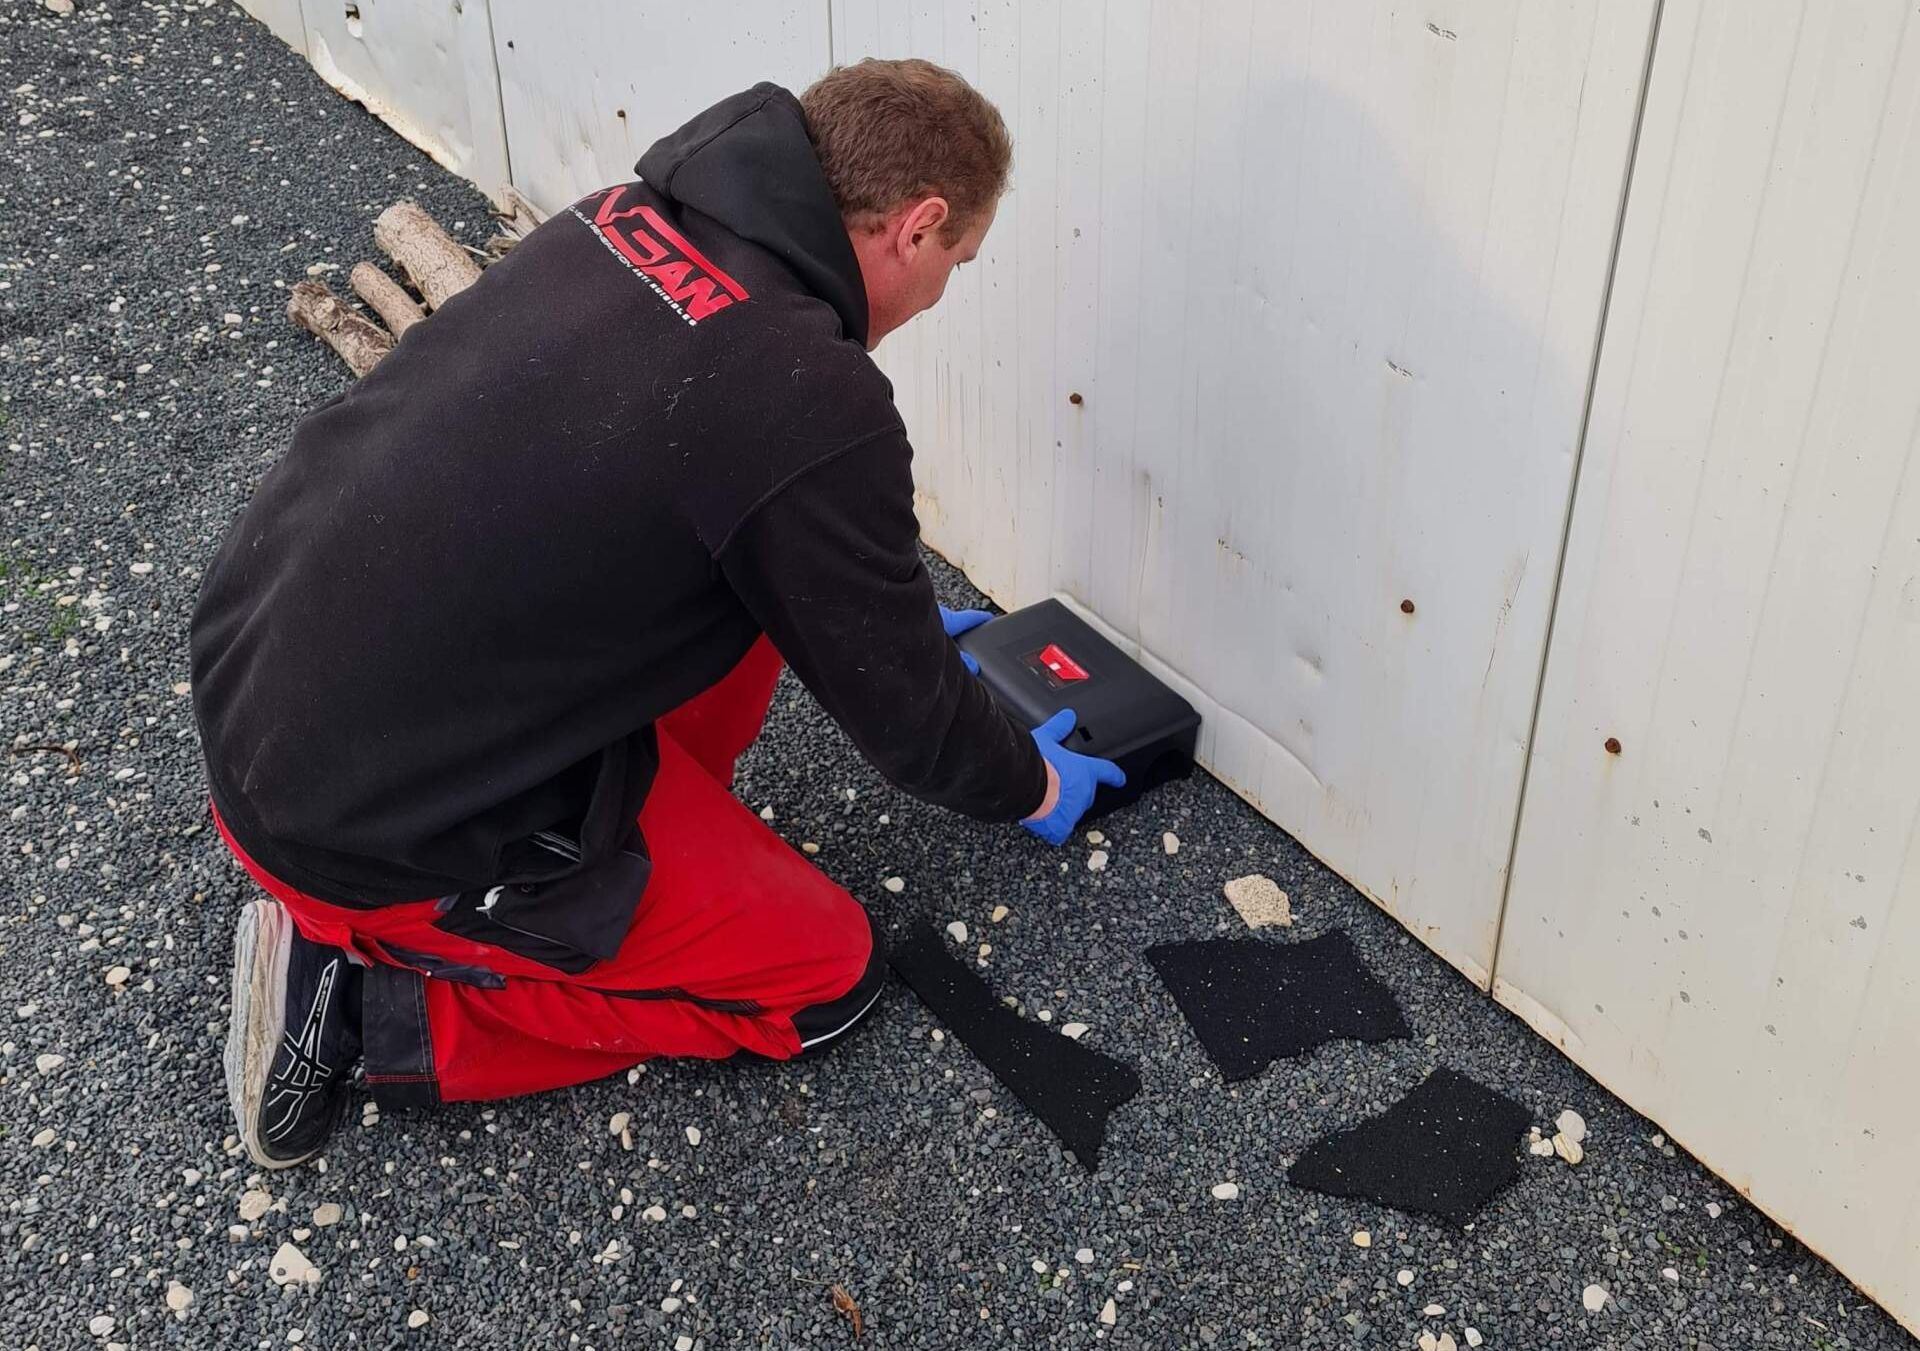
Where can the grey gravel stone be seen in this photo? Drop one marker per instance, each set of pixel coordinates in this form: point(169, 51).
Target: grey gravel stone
point(179, 166)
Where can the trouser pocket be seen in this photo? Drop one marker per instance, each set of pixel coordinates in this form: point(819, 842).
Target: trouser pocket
point(569, 923)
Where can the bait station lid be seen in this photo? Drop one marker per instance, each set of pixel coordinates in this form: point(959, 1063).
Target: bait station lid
point(1044, 658)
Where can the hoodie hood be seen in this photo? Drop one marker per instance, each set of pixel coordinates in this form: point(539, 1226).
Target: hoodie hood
point(748, 163)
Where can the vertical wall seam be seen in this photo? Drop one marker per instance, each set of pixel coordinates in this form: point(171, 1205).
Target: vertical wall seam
point(1573, 484)
point(499, 96)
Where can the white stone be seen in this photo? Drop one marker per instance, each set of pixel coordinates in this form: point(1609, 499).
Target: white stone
point(1713, 1210)
point(1473, 1336)
point(254, 1204)
point(117, 975)
point(895, 884)
point(1084, 1256)
point(1097, 861)
point(654, 1214)
point(1594, 1298)
point(1569, 1150)
point(809, 847)
point(1572, 1125)
point(45, 1136)
point(62, 8)
point(1109, 1312)
point(683, 1343)
point(1259, 901)
point(999, 913)
point(1170, 842)
point(618, 1122)
point(957, 931)
point(693, 1136)
point(1362, 1239)
point(418, 1318)
point(291, 1267)
point(1670, 1274)
point(1541, 1149)
point(178, 1297)
point(48, 1063)
point(1404, 1276)
point(1039, 1266)
point(1095, 837)
point(1226, 1191)
point(986, 951)
point(671, 1304)
point(327, 1214)
point(102, 1323)
point(190, 1176)
point(236, 1233)
point(1446, 1343)
point(1428, 1342)
point(1073, 1031)
point(938, 1035)
point(766, 813)
point(1434, 1310)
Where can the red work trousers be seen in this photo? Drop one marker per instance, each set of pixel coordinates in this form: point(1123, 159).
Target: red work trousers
point(734, 938)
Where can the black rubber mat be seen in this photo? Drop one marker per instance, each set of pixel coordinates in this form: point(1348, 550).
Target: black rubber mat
point(1070, 1087)
point(1250, 1001)
point(1445, 1149)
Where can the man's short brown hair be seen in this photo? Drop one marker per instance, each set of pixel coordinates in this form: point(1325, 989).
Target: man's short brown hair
point(889, 132)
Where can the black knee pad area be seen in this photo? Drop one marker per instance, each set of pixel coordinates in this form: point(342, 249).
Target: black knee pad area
point(821, 1024)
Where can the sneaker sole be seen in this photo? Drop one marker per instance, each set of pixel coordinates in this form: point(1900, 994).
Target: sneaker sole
point(262, 943)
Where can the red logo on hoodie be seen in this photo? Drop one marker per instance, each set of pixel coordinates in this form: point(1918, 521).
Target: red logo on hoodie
point(678, 272)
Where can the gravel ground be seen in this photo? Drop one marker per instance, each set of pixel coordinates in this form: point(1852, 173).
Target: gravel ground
point(171, 170)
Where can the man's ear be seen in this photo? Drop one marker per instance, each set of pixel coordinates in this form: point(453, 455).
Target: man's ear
point(921, 224)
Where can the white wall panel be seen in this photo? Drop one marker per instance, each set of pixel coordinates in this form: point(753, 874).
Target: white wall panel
point(425, 67)
point(589, 87)
point(1722, 923)
point(1327, 276)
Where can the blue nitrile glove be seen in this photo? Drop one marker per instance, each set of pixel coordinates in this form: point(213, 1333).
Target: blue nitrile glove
point(957, 622)
point(1079, 776)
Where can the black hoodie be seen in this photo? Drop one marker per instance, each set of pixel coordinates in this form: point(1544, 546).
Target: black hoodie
point(567, 502)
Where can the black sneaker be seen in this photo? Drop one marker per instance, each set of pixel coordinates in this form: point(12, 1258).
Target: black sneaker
point(292, 1039)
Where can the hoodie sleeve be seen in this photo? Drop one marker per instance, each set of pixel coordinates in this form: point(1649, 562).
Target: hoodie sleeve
point(828, 565)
